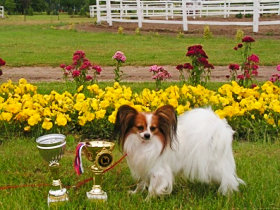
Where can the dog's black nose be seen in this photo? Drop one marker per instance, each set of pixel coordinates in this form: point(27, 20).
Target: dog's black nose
point(147, 136)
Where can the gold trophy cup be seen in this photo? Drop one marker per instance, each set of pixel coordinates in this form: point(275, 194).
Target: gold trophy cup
point(51, 148)
point(100, 153)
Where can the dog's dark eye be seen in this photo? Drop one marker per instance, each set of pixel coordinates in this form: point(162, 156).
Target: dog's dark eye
point(152, 128)
point(140, 128)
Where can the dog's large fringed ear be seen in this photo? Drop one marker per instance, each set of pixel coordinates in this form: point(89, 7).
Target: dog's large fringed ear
point(124, 121)
point(167, 122)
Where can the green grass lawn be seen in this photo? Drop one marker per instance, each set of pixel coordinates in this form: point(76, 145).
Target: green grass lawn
point(42, 42)
point(257, 164)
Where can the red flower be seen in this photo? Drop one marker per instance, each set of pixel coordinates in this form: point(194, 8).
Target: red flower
point(88, 78)
point(97, 68)
point(188, 66)
point(209, 66)
point(247, 39)
point(253, 85)
point(69, 68)
point(233, 67)
point(240, 45)
point(198, 46)
point(62, 66)
point(180, 67)
point(254, 58)
point(76, 73)
point(240, 76)
point(85, 65)
point(196, 50)
point(2, 62)
point(235, 48)
point(202, 60)
point(255, 72)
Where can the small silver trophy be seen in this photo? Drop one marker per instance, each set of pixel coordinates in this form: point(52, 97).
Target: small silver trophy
point(51, 148)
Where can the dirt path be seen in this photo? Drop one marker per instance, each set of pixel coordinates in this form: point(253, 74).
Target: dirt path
point(131, 73)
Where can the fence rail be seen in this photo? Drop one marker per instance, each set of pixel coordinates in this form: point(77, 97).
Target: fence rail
point(178, 11)
point(1, 12)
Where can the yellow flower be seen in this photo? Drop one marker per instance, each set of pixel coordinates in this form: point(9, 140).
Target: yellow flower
point(61, 119)
point(80, 97)
point(27, 128)
point(100, 114)
point(80, 89)
point(6, 116)
point(47, 124)
point(180, 109)
point(34, 119)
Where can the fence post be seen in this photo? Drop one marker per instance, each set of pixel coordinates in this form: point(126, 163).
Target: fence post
point(256, 15)
point(121, 9)
point(184, 15)
point(139, 13)
point(98, 21)
point(166, 10)
point(108, 10)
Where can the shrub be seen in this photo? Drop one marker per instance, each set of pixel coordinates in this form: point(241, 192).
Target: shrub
point(239, 35)
point(120, 58)
point(159, 75)
point(275, 78)
point(207, 34)
point(252, 112)
point(137, 31)
point(120, 30)
point(249, 63)
point(199, 70)
point(180, 35)
point(248, 15)
point(239, 15)
point(79, 70)
point(2, 63)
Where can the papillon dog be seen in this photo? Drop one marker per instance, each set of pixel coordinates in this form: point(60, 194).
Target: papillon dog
point(197, 146)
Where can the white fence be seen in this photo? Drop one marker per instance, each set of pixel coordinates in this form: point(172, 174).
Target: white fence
point(1, 12)
point(178, 11)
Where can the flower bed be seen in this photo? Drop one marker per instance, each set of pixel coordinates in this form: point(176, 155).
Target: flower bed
point(252, 112)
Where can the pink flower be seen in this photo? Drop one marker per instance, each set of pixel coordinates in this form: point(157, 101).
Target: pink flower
point(88, 78)
point(233, 67)
point(278, 67)
point(247, 39)
point(76, 73)
point(254, 58)
point(162, 75)
point(62, 66)
point(119, 56)
point(2, 62)
point(156, 68)
point(97, 68)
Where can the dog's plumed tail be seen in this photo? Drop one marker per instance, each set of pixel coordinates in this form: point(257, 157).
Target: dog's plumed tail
point(208, 157)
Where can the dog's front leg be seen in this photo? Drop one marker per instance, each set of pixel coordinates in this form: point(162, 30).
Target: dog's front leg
point(139, 188)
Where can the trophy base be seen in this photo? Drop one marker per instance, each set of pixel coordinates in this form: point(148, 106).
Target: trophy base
point(57, 196)
point(97, 196)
